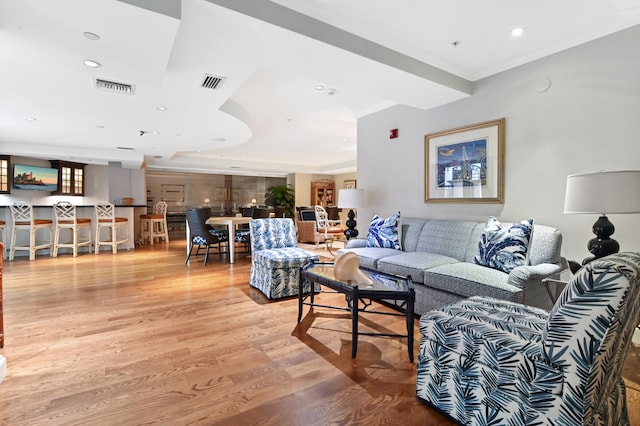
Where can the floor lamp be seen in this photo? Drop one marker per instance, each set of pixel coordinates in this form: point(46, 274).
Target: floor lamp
point(351, 199)
point(615, 192)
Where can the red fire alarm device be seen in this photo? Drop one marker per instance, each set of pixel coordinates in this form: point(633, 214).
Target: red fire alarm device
point(393, 134)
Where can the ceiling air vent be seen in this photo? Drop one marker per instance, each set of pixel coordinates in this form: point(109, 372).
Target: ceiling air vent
point(114, 87)
point(212, 81)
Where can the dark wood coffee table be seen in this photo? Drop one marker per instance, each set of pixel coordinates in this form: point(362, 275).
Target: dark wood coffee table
point(394, 291)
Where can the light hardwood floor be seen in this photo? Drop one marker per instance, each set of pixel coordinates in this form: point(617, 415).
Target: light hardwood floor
point(142, 338)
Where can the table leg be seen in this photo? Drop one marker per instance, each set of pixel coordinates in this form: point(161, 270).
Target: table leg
point(300, 297)
point(410, 319)
point(354, 323)
point(232, 241)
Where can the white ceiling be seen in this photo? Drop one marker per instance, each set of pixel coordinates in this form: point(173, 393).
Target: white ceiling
point(266, 118)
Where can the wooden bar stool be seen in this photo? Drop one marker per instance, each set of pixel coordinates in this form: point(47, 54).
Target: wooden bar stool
point(66, 218)
point(23, 220)
point(3, 229)
point(106, 218)
point(155, 225)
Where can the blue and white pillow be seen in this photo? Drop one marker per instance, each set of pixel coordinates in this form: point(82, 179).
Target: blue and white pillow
point(504, 247)
point(384, 232)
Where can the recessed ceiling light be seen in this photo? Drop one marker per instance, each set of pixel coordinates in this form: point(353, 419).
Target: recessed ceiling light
point(162, 108)
point(92, 64)
point(30, 118)
point(319, 87)
point(99, 126)
point(91, 36)
point(517, 32)
point(218, 139)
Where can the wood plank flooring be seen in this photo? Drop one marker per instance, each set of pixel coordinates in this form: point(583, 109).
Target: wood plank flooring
point(141, 338)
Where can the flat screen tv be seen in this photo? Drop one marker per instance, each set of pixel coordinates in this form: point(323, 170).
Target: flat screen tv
point(35, 177)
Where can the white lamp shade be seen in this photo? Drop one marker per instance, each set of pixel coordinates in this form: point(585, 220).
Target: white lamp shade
point(351, 198)
point(603, 192)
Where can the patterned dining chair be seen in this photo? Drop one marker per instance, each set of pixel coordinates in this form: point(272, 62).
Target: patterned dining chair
point(485, 361)
point(202, 235)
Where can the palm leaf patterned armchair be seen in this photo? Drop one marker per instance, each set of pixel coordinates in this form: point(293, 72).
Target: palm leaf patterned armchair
point(484, 361)
point(276, 259)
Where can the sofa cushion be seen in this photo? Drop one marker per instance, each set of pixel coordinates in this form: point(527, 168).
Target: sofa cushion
point(369, 256)
point(468, 279)
point(410, 229)
point(504, 247)
point(413, 264)
point(447, 237)
point(384, 232)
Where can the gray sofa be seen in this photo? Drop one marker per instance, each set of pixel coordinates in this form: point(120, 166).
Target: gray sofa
point(438, 255)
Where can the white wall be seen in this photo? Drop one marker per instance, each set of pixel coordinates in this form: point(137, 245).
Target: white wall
point(587, 121)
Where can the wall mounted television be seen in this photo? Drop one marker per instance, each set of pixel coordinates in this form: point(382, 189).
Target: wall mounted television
point(35, 177)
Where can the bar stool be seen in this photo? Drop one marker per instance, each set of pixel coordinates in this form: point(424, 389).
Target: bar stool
point(106, 218)
point(155, 225)
point(66, 218)
point(23, 220)
point(3, 229)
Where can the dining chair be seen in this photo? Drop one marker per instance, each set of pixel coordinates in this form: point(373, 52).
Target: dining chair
point(66, 218)
point(202, 235)
point(106, 218)
point(24, 220)
point(154, 225)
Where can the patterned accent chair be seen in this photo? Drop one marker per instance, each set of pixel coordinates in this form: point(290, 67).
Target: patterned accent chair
point(276, 259)
point(484, 361)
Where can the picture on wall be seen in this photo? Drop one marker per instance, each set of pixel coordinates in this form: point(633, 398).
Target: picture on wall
point(350, 184)
point(466, 164)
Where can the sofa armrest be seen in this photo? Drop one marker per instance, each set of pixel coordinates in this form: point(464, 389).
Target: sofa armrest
point(356, 243)
point(520, 275)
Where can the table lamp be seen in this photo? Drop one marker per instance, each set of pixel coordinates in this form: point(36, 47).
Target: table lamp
point(351, 199)
point(614, 192)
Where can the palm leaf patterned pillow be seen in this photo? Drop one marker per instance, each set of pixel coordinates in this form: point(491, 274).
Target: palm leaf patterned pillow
point(384, 232)
point(504, 247)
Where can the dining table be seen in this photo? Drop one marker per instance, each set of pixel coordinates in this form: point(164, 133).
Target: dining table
point(232, 223)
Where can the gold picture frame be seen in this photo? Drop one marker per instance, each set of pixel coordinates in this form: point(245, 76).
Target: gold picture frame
point(349, 184)
point(465, 164)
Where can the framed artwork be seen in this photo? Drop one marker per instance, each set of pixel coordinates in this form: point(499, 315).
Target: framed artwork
point(466, 164)
point(350, 184)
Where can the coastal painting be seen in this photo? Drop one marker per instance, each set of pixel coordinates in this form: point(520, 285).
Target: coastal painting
point(465, 164)
point(35, 177)
point(462, 164)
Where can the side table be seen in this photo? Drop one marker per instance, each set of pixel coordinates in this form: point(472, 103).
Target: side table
point(556, 283)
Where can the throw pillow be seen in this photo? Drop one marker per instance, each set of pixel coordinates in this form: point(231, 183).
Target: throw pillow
point(384, 232)
point(504, 247)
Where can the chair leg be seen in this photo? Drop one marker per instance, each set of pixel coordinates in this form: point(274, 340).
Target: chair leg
point(206, 254)
point(189, 254)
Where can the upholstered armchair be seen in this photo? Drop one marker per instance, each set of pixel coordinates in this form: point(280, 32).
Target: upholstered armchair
point(276, 259)
point(485, 361)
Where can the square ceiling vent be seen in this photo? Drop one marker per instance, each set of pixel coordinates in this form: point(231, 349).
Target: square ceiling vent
point(210, 81)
